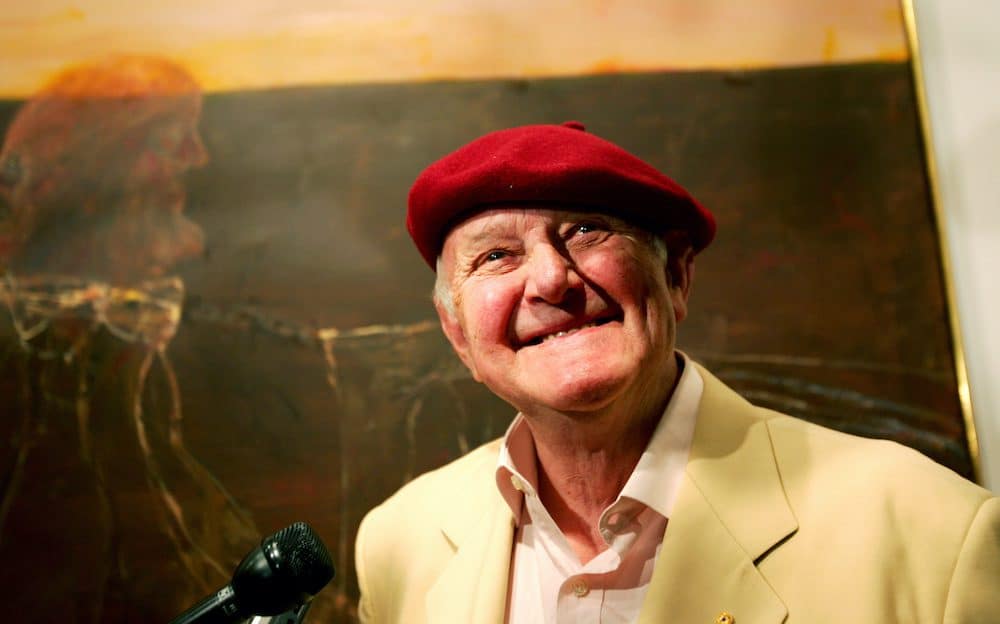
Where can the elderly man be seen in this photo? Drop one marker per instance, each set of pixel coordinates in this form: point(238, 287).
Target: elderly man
point(633, 485)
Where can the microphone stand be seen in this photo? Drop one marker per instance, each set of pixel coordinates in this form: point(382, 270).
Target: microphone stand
point(294, 616)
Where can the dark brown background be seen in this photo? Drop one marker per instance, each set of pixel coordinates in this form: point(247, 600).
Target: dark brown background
point(822, 297)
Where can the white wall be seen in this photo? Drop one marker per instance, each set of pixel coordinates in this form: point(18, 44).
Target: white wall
point(961, 60)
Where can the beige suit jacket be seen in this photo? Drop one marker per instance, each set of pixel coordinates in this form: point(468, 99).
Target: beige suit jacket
point(777, 521)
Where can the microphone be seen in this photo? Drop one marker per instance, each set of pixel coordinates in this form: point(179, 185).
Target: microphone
point(282, 574)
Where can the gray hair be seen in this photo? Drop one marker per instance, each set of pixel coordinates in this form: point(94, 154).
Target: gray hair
point(442, 290)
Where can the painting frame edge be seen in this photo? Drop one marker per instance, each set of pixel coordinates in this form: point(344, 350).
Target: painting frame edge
point(944, 251)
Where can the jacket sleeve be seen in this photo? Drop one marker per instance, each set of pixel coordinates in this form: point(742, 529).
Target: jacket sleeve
point(366, 613)
point(974, 593)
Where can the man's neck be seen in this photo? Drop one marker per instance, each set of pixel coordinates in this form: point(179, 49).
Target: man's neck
point(577, 488)
point(583, 463)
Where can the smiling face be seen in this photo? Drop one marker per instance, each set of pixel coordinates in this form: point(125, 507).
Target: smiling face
point(567, 311)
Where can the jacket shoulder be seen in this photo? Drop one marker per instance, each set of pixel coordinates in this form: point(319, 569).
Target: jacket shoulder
point(881, 480)
point(407, 527)
point(877, 463)
point(883, 515)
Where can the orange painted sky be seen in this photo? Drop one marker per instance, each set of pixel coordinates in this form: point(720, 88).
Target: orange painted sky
point(249, 44)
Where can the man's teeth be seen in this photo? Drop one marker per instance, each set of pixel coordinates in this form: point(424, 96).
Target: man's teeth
point(560, 334)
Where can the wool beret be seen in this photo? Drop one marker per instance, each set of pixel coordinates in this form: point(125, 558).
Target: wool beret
point(548, 166)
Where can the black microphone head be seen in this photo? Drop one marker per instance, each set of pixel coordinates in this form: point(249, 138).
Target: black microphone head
point(286, 570)
point(299, 553)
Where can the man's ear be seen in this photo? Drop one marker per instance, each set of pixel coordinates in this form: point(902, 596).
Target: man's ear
point(456, 336)
point(680, 272)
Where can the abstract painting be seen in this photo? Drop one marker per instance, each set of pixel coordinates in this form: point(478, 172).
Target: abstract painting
point(213, 321)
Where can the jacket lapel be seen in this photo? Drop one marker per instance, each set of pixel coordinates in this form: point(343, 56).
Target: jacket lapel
point(731, 511)
point(473, 586)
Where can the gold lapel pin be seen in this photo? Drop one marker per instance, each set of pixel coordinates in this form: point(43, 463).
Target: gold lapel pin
point(725, 618)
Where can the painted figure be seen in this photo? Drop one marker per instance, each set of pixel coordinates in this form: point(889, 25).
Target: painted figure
point(91, 173)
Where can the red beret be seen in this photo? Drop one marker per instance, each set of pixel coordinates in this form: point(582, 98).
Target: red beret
point(548, 165)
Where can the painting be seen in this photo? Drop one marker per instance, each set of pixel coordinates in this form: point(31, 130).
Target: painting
point(213, 321)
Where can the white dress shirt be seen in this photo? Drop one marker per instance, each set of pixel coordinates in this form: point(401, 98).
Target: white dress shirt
point(548, 583)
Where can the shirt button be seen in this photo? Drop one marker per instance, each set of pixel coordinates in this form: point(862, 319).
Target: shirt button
point(580, 589)
point(516, 483)
point(725, 618)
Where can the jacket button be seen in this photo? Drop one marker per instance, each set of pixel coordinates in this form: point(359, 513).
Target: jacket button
point(725, 618)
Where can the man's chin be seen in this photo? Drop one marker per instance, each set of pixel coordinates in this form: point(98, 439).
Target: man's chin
point(575, 396)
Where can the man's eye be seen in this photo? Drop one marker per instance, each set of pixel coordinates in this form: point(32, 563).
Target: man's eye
point(494, 259)
point(587, 227)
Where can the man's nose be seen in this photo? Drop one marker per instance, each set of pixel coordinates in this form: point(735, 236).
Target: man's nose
point(551, 275)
